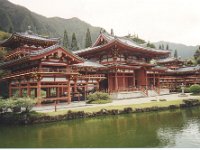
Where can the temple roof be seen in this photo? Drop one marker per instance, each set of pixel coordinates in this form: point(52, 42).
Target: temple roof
point(33, 55)
point(18, 39)
point(185, 69)
point(88, 63)
point(120, 40)
point(169, 59)
point(159, 68)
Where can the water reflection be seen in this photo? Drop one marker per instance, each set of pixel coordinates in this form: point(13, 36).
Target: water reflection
point(178, 128)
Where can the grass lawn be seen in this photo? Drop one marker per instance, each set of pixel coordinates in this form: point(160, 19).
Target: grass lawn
point(121, 107)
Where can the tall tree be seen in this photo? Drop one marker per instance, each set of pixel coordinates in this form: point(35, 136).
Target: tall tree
point(167, 47)
point(65, 40)
point(150, 45)
point(88, 40)
point(197, 56)
point(162, 46)
point(11, 30)
point(175, 54)
point(197, 53)
point(74, 45)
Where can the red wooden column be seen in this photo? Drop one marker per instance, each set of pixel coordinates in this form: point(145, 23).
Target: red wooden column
point(116, 82)
point(98, 80)
point(124, 86)
point(57, 92)
point(39, 91)
point(48, 92)
point(68, 91)
point(86, 88)
point(158, 80)
point(20, 89)
point(154, 79)
point(62, 89)
point(28, 89)
point(75, 85)
point(133, 79)
point(108, 83)
point(146, 82)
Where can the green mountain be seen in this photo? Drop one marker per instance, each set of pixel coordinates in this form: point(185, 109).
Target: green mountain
point(15, 18)
point(183, 50)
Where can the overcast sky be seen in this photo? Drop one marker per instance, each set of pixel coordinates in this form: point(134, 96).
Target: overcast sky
point(154, 20)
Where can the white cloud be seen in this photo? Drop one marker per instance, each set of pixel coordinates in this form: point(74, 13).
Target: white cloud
point(153, 20)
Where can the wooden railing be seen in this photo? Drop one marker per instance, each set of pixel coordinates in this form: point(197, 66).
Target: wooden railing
point(55, 70)
point(93, 76)
point(22, 72)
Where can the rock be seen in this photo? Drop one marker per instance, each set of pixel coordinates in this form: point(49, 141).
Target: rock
point(172, 107)
point(128, 110)
point(104, 111)
point(114, 112)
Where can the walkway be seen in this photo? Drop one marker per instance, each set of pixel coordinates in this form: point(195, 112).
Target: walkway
point(75, 105)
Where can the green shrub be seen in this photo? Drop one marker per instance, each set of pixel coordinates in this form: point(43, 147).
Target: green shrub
point(27, 103)
point(98, 96)
point(15, 104)
point(186, 90)
point(195, 89)
point(1, 106)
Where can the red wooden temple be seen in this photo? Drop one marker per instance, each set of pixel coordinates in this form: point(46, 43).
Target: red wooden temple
point(39, 67)
point(176, 74)
point(127, 63)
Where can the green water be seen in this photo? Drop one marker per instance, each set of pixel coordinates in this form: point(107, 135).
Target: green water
point(180, 128)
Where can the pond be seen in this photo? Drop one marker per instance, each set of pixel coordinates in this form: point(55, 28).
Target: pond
point(177, 128)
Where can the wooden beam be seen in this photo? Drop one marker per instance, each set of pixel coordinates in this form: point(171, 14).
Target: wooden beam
point(68, 92)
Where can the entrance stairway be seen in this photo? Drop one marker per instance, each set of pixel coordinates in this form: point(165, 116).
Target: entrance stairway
point(138, 94)
point(127, 95)
point(152, 93)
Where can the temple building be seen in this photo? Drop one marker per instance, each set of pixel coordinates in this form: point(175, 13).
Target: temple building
point(176, 74)
point(128, 64)
point(39, 67)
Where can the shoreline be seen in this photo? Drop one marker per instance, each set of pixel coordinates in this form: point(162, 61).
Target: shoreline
point(38, 117)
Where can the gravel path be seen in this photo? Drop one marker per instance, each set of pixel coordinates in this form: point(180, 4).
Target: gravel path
point(75, 105)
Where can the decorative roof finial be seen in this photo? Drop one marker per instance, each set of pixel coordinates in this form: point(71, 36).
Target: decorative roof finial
point(101, 30)
point(112, 32)
point(29, 30)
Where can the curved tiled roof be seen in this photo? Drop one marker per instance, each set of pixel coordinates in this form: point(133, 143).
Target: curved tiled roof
point(34, 54)
point(27, 38)
point(45, 50)
point(185, 69)
point(123, 40)
point(169, 59)
point(36, 37)
point(88, 63)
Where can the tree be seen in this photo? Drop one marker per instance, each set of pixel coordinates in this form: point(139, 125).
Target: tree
point(167, 47)
point(150, 45)
point(175, 54)
point(74, 45)
point(160, 47)
point(197, 54)
point(11, 30)
point(65, 40)
point(88, 40)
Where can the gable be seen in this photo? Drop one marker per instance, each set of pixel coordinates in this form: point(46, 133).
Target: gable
point(56, 52)
point(101, 40)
